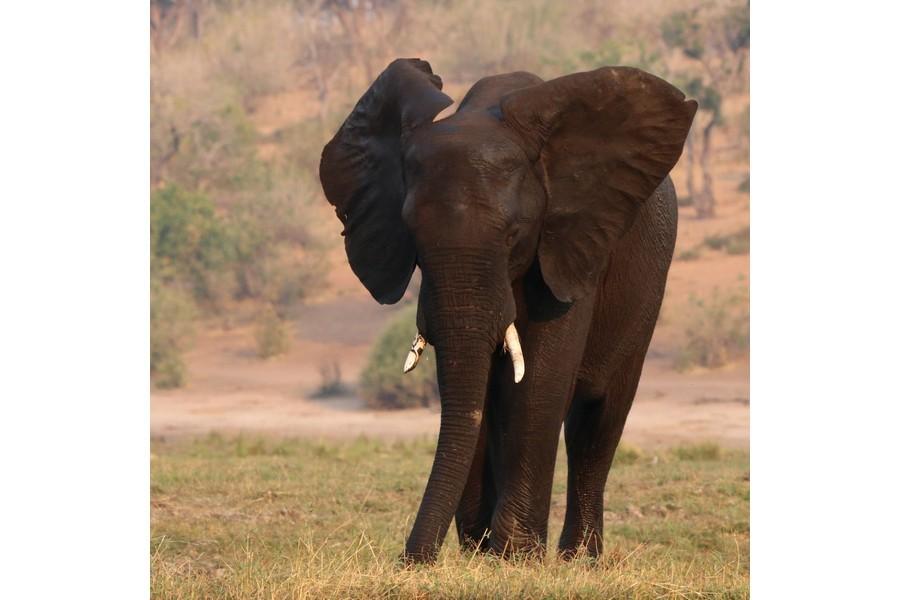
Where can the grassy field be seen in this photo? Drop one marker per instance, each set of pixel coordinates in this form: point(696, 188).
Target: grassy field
point(266, 518)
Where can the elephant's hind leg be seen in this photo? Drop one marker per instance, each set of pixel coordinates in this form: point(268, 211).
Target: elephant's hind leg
point(593, 428)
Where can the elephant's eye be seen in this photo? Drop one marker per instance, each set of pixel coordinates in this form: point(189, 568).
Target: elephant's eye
point(511, 238)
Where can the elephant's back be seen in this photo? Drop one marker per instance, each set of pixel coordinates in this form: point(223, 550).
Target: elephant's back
point(487, 91)
point(632, 290)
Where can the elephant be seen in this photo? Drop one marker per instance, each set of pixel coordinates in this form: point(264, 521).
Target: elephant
point(542, 218)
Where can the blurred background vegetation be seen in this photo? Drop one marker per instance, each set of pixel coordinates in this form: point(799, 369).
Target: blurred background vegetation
point(244, 93)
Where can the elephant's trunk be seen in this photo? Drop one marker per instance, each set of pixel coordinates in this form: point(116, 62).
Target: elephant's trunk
point(465, 326)
point(463, 378)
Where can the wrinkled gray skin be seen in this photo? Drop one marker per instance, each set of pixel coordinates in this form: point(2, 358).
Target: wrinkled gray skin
point(543, 204)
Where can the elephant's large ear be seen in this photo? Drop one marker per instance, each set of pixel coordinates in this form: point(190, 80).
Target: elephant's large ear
point(362, 174)
point(605, 140)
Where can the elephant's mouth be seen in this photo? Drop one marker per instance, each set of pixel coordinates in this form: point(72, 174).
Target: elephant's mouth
point(511, 345)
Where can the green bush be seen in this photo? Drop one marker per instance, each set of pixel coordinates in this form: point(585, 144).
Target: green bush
point(251, 252)
point(732, 243)
point(171, 316)
point(383, 384)
point(717, 330)
point(188, 242)
point(272, 334)
point(689, 255)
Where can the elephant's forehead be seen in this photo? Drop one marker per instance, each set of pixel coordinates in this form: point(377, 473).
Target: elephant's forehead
point(470, 173)
point(464, 139)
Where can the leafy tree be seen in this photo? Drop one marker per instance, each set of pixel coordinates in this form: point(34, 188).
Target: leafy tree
point(736, 23)
point(710, 41)
point(710, 102)
point(683, 30)
point(170, 19)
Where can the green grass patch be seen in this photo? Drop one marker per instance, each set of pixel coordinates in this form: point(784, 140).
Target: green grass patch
point(627, 455)
point(704, 451)
point(251, 517)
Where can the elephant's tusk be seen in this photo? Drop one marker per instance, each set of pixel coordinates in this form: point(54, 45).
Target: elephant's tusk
point(412, 359)
point(511, 344)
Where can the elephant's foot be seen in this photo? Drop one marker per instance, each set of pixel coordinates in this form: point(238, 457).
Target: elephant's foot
point(587, 543)
point(517, 540)
point(418, 556)
point(475, 539)
point(530, 547)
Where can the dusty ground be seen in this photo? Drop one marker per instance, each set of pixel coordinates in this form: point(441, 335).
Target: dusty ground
point(669, 408)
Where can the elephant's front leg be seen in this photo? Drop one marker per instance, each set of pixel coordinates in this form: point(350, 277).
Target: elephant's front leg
point(476, 507)
point(527, 427)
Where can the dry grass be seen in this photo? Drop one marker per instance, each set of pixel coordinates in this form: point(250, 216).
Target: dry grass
point(261, 518)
